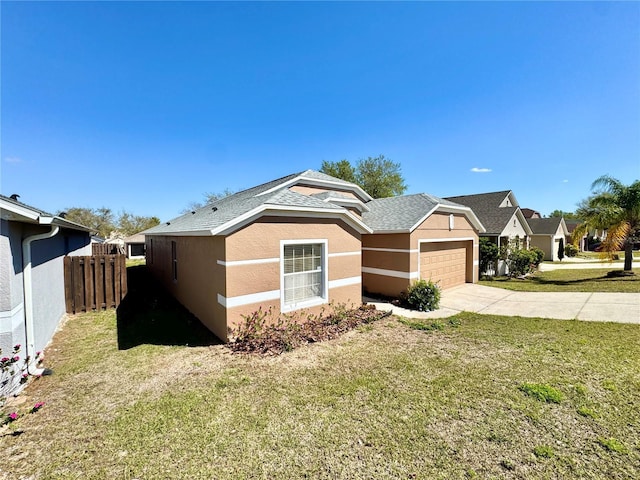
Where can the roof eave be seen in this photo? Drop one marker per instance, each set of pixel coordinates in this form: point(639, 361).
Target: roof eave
point(283, 210)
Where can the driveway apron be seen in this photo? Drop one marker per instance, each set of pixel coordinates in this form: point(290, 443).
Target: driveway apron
point(603, 307)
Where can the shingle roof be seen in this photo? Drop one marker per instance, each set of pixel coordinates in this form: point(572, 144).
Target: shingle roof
point(487, 207)
point(35, 215)
point(402, 213)
point(544, 226)
point(231, 208)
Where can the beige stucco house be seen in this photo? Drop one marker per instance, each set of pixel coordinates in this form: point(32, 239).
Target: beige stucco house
point(296, 244)
point(504, 221)
point(546, 235)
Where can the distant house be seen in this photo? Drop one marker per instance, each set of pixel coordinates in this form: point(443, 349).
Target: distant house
point(300, 242)
point(529, 213)
point(582, 243)
point(503, 220)
point(546, 235)
point(32, 246)
point(135, 246)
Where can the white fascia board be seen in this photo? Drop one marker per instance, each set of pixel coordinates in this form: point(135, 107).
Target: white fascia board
point(469, 213)
point(188, 233)
point(423, 218)
point(286, 211)
point(349, 202)
point(19, 210)
point(320, 183)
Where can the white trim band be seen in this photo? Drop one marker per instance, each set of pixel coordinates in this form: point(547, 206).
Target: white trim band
point(345, 254)
point(257, 261)
point(391, 250)
point(241, 300)
point(10, 319)
point(391, 273)
point(343, 282)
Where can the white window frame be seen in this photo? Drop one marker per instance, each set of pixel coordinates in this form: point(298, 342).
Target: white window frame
point(312, 302)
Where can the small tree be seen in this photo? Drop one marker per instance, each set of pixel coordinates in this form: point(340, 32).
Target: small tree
point(561, 249)
point(489, 255)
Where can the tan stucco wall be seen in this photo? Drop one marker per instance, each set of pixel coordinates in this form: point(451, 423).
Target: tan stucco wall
point(261, 240)
point(436, 227)
point(200, 278)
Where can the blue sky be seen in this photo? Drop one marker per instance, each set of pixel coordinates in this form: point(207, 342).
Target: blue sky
point(146, 106)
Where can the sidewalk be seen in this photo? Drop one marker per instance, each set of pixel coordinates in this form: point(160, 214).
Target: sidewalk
point(601, 307)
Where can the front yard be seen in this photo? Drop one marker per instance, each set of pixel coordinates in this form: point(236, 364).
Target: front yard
point(484, 396)
point(570, 280)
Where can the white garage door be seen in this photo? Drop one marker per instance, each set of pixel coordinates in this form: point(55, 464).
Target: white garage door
point(444, 262)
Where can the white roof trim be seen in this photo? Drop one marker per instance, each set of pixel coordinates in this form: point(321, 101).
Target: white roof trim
point(320, 183)
point(282, 210)
point(452, 209)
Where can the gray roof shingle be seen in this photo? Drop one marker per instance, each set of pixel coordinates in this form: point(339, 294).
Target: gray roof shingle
point(544, 226)
point(401, 213)
point(230, 208)
point(487, 208)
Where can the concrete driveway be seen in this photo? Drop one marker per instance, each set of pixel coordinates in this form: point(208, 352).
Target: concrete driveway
point(601, 307)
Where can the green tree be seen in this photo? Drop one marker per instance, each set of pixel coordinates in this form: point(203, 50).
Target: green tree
point(99, 220)
point(566, 215)
point(614, 207)
point(102, 221)
point(341, 169)
point(380, 177)
point(129, 224)
point(489, 255)
point(561, 249)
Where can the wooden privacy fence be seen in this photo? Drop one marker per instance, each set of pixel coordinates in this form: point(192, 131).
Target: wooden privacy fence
point(94, 283)
point(106, 249)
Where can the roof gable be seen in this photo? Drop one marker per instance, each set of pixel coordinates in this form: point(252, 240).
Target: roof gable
point(548, 226)
point(405, 213)
point(495, 209)
point(226, 214)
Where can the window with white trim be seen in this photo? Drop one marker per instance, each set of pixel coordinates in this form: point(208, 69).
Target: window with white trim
point(304, 276)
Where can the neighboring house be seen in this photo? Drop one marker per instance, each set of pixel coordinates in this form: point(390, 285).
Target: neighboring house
point(296, 244)
point(32, 300)
point(529, 213)
point(502, 218)
point(135, 246)
point(418, 236)
point(546, 235)
point(582, 242)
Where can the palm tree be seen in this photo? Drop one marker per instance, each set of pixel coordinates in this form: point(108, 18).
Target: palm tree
point(616, 208)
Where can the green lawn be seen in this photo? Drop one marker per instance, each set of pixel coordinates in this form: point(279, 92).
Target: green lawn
point(571, 280)
point(478, 397)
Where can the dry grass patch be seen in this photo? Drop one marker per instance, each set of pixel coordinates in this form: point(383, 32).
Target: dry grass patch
point(383, 402)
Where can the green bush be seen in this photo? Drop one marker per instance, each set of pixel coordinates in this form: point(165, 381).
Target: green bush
point(521, 262)
point(489, 255)
point(571, 250)
point(539, 255)
point(423, 295)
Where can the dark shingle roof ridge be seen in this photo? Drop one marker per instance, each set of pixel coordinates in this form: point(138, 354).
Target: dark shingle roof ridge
point(547, 225)
point(505, 192)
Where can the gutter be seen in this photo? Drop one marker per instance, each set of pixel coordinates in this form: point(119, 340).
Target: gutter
point(28, 295)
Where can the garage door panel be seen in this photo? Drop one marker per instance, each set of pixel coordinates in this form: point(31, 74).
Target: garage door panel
point(444, 263)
